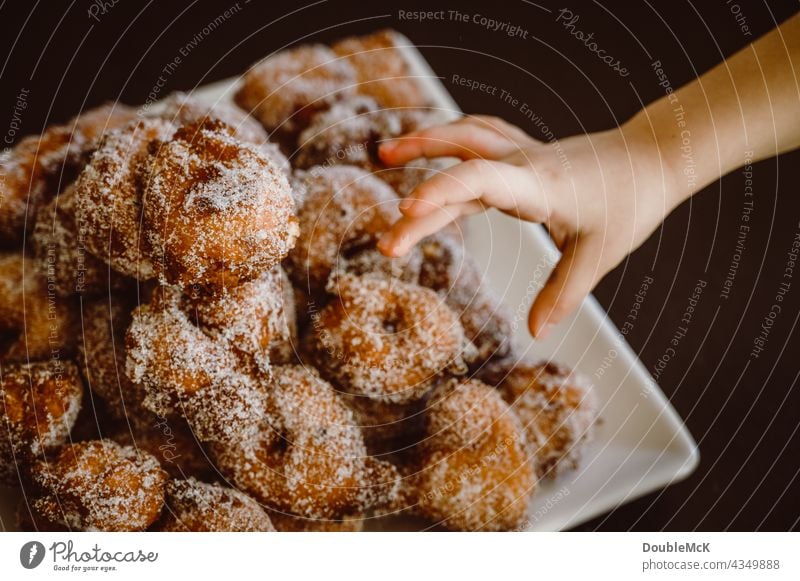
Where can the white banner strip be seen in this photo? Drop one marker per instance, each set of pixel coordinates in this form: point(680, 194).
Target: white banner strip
point(401, 556)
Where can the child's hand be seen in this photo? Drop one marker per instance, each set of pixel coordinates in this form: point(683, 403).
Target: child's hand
point(600, 196)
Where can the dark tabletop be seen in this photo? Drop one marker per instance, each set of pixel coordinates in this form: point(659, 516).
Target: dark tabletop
point(742, 410)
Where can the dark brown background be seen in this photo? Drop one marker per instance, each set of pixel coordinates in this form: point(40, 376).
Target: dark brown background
point(744, 415)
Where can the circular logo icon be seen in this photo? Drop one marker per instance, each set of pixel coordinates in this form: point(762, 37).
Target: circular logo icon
point(31, 554)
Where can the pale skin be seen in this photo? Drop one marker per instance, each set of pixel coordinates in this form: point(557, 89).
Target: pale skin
point(619, 184)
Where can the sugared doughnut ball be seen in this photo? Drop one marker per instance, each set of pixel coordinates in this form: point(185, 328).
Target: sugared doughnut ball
point(99, 486)
point(109, 197)
point(473, 471)
point(447, 269)
point(184, 109)
point(36, 324)
point(102, 356)
point(309, 459)
point(59, 244)
point(386, 339)
point(345, 209)
point(39, 166)
point(186, 372)
point(39, 403)
point(256, 318)
point(194, 506)
point(371, 261)
point(351, 132)
point(383, 72)
point(286, 89)
point(217, 211)
point(556, 406)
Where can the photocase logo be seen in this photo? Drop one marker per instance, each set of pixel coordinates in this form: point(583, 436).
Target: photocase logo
point(31, 554)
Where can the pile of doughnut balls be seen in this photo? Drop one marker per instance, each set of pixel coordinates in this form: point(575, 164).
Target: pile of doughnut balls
point(197, 332)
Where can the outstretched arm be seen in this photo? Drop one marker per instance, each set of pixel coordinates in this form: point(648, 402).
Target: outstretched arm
point(602, 194)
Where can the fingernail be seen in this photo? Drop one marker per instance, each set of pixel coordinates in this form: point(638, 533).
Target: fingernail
point(544, 330)
point(406, 204)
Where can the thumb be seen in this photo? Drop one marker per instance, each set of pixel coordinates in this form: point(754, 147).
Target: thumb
point(570, 282)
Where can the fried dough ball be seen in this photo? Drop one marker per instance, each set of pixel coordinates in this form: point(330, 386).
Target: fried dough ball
point(39, 404)
point(60, 249)
point(184, 109)
point(370, 261)
point(257, 318)
point(102, 356)
point(99, 486)
point(290, 523)
point(109, 204)
point(309, 459)
point(36, 324)
point(38, 166)
point(447, 269)
point(217, 212)
point(186, 372)
point(350, 133)
point(193, 506)
point(473, 471)
point(286, 89)
point(556, 406)
point(386, 339)
point(383, 71)
point(345, 209)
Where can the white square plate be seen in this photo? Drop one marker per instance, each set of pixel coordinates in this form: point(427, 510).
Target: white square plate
point(641, 444)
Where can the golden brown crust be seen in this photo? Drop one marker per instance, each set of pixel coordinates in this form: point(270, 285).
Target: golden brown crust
point(309, 459)
point(473, 471)
point(386, 339)
point(556, 407)
point(109, 196)
point(350, 133)
point(99, 486)
point(256, 318)
point(285, 90)
point(217, 212)
point(39, 403)
point(186, 372)
point(447, 269)
point(39, 166)
point(37, 323)
point(193, 506)
point(344, 209)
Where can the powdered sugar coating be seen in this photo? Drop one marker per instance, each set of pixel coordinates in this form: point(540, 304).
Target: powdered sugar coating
point(345, 209)
point(450, 271)
point(217, 212)
point(186, 372)
point(372, 261)
point(109, 196)
point(256, 318)
point(39, 403)
point(39, 166)
point(194, 506)
point(383, 72)
point(285, 90)
point(309, 459)
point(473, 471)
point(556, 405)
point(350, 133)
point(386, 339)
point(99, 486)
point(102, 357)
